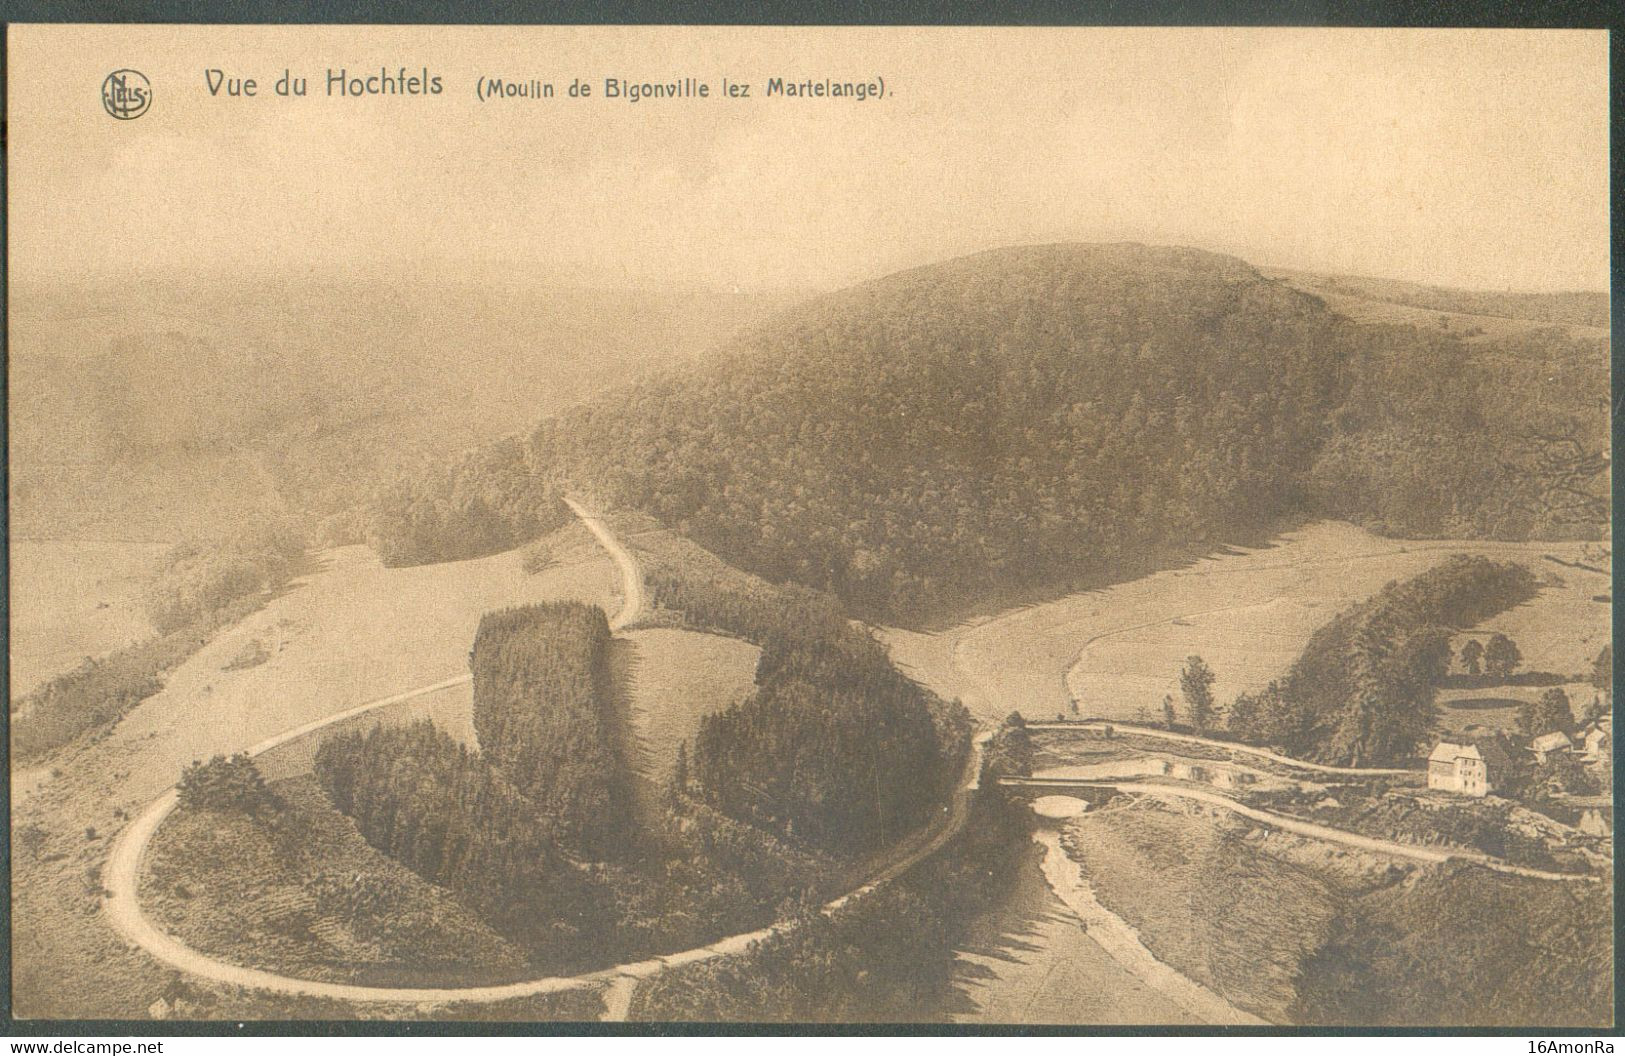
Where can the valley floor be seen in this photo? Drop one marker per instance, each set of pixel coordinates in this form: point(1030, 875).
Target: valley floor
point(354, 631)
point(72, 599)
point(1118, 650)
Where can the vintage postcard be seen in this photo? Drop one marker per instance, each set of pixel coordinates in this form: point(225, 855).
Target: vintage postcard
point(971, 526)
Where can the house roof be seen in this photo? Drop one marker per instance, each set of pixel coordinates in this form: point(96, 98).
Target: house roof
point(1546, 742)
point(1447, 752)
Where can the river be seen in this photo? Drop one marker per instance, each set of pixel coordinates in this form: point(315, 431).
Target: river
point(1029, 960)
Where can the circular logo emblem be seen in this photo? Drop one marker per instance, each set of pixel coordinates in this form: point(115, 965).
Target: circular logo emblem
point(126, 94)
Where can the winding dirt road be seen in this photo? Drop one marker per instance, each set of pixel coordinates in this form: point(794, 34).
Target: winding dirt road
point(633, 599)
point(122, 875)
point(1432, 855)
point(618, 984)
point(1231, 746)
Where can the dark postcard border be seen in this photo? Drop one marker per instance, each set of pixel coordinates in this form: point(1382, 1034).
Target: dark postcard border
point(1572, 14)
point(1561, 14)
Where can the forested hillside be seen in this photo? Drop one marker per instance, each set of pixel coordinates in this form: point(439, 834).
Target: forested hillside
point(1027, 418)
point(1500, 439)
point(1362, 693)
point(1458, 944)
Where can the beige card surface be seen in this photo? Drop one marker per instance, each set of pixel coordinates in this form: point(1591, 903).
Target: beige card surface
point(981, 526)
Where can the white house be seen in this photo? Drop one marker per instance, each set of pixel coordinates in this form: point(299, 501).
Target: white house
point(1597, 740)
point(1458, 768)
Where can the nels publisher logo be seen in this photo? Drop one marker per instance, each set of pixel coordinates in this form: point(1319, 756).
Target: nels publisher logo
point(126, 94)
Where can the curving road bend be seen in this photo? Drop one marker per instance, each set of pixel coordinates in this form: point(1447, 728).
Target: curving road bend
point(1311, 829)
point(122, 874)
point(634, 600)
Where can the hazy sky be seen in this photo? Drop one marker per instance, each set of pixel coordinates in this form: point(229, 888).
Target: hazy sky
point(1455, 157)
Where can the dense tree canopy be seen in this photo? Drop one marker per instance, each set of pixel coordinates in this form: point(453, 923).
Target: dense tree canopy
point(1362, 692)
point(1501, 656)
point(196, 578)
point(1551, 712)
point(542, 710)
point(1472, 657)
point(230, 784)
point(451, 817)
point(1196, 684)
point(1019, 418)
point(1602, 670)
point(835, 748)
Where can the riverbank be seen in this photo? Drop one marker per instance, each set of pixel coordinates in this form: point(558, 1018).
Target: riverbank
point(1030, 960)
point(1300, 931)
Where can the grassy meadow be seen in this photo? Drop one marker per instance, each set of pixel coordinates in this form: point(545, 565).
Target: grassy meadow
point(1247, 612)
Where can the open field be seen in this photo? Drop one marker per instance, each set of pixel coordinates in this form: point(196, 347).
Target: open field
point(350, 632)
point(1395, 303)
point(71, 599)
point(1563, 629)
point(677, 677)
point(1473, 328)
point(353, 631)
point(1496, 707)
point(1118, 650)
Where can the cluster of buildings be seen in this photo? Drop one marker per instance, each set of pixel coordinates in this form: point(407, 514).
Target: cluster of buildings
point(1476, 766)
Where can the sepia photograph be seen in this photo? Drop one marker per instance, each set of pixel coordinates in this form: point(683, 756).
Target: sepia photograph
point(1089, 528)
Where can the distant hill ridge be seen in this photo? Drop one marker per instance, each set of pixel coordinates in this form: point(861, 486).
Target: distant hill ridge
point(1558, 308)
point(188, 403)
point(1183, 259)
